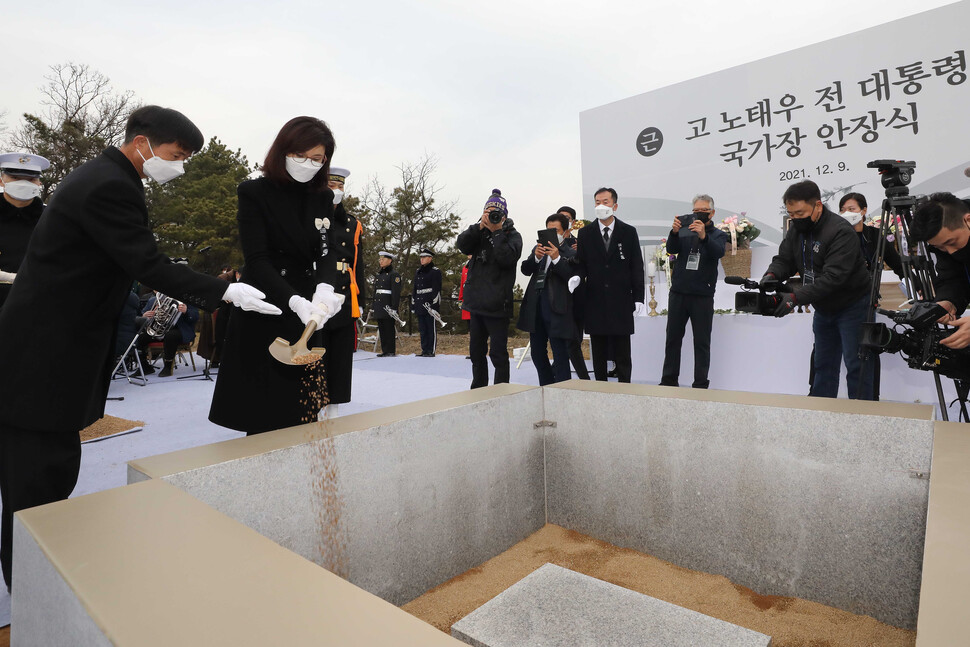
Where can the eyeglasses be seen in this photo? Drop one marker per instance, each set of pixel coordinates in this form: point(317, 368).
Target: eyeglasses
point(300, 159)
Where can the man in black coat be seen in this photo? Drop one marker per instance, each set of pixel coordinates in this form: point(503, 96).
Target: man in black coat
point(387, 294)
point(698, 245)
point(944, 223)
point(547, 312)
point(20, 209)
point(91, 241)
point(611, 264)
point(426, 290)
point(575, 345)
point(495, 247)
point(823, 249)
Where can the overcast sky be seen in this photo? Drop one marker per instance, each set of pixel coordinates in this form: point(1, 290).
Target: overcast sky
point(493, 90)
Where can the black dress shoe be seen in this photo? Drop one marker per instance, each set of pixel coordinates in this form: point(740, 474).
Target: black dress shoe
point(387, 355)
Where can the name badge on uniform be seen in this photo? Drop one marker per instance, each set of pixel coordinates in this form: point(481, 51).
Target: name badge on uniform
point(694, 261)
point(808, 278)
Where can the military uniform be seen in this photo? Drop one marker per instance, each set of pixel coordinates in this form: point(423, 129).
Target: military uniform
point(427, 290)
point(387, 293)
point(17, 222)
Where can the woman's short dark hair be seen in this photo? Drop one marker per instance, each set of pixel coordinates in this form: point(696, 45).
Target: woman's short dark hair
point(561, 219)
point(299, 135)
point(804, 191)
point(858, 197)
point(164, 126)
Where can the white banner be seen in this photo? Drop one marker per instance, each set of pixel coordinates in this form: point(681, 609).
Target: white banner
point(897, 91)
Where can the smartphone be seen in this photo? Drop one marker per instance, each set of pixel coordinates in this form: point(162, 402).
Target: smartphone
point(686, 219)
point(547, 237)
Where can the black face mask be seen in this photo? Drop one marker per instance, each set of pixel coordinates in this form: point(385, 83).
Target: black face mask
point(962, 255)
point(802, 225)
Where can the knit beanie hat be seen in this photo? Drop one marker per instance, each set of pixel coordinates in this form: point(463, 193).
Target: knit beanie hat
point(496, 200)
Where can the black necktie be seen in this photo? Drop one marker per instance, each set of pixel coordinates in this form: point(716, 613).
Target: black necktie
point(606, 236)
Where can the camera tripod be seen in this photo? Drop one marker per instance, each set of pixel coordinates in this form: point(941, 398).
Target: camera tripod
point(918, 271)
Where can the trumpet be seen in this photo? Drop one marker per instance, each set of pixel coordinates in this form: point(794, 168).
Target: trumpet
point(166, 315)
point(393, 313)
point(434, 314)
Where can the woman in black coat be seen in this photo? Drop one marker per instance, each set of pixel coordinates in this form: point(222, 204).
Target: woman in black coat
point(285, 218)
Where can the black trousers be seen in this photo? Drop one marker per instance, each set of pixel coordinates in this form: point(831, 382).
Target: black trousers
point(170, 343)
point(388, 334)
point(488, 335)
point(600, 347)
point(699, 310)
point(429, 336)
point(575, 348)
point(36, 467)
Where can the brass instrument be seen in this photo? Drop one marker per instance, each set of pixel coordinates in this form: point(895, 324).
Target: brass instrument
point(393, 314)
point(166, 315)
point(434, 314)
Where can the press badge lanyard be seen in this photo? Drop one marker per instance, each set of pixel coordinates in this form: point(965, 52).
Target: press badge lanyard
point(694, 258)
point(808, 275)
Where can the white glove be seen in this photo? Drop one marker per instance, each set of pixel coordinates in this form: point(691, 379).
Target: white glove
point(247, 297)
point(573, 283)
point(639, 310)
point(7, 277)
point(307, 311)
point(327, 299)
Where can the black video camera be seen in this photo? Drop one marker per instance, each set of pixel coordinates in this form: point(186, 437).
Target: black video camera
point(919, 340)
point(754, 297)
point(495, 216)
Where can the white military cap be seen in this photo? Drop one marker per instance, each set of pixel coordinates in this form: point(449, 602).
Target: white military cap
point(386, 254)
point(23, 164)
point(338, 174)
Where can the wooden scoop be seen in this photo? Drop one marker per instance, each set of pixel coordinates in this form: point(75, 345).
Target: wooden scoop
point(298, 354)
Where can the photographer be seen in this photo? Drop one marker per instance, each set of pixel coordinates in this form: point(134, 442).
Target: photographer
point(495, 247)
point(823, 249)
point(944, 223)
point(698, 245)
point(547, 308)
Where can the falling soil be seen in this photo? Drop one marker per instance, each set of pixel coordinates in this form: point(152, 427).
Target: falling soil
point(791, 622)
point(324, 476)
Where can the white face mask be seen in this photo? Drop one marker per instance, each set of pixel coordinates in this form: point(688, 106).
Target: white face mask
point(603, 212)
point(303, 171)
point(853, 217)
point(22, 190)
point(338, 196)
point(561, 238)
point(160, 170)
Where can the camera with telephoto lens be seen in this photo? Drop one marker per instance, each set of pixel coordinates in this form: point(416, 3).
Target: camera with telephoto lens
point(917, 339)
point(755, 298)
point(495, 216)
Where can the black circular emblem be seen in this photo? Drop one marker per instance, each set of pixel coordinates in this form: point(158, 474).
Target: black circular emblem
point(649, 141)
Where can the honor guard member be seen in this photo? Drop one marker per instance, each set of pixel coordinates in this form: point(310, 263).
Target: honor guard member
point(387, 294)
point(426, 290)
point(20, 210)
point(342, 239)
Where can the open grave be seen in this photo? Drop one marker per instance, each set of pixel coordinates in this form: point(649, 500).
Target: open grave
point(856, 505)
